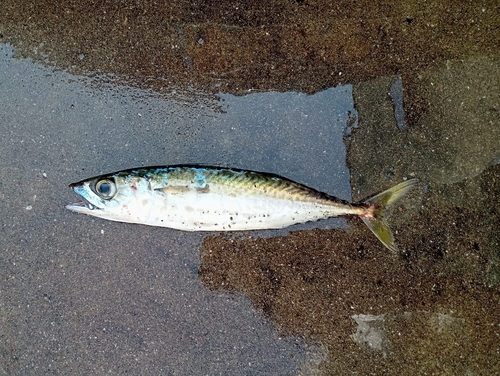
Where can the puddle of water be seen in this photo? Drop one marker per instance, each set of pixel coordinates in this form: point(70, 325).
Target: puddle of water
point(100, 296)
point(396, 94)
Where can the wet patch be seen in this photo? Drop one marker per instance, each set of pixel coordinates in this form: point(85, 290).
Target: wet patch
point(456, 138)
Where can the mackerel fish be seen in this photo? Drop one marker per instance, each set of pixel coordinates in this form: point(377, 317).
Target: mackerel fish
point(201, 198)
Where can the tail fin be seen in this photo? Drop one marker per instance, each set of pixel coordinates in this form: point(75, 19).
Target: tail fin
point(379, 204)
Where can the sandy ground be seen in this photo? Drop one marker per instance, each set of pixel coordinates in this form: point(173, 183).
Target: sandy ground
point(87, 89)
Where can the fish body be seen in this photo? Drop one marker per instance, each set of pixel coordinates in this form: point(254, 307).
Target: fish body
point(198, 198)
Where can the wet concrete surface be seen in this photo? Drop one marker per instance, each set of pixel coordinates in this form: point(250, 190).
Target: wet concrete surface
point(132, 84)
point(86, 296)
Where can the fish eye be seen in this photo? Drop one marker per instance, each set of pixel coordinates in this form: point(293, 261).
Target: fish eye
point(105, 188)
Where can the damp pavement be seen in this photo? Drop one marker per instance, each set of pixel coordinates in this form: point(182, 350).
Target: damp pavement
point(346, 99)
point(81, 292)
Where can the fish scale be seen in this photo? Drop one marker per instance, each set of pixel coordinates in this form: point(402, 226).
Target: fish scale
point(200, 198)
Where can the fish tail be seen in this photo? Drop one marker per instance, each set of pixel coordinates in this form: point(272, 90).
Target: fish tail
point(377, 207)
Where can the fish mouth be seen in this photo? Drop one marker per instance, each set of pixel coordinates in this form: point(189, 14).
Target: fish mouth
point(84, 204)
point(81, 206)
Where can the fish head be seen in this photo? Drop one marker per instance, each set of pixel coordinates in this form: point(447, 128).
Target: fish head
point(113, 197)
